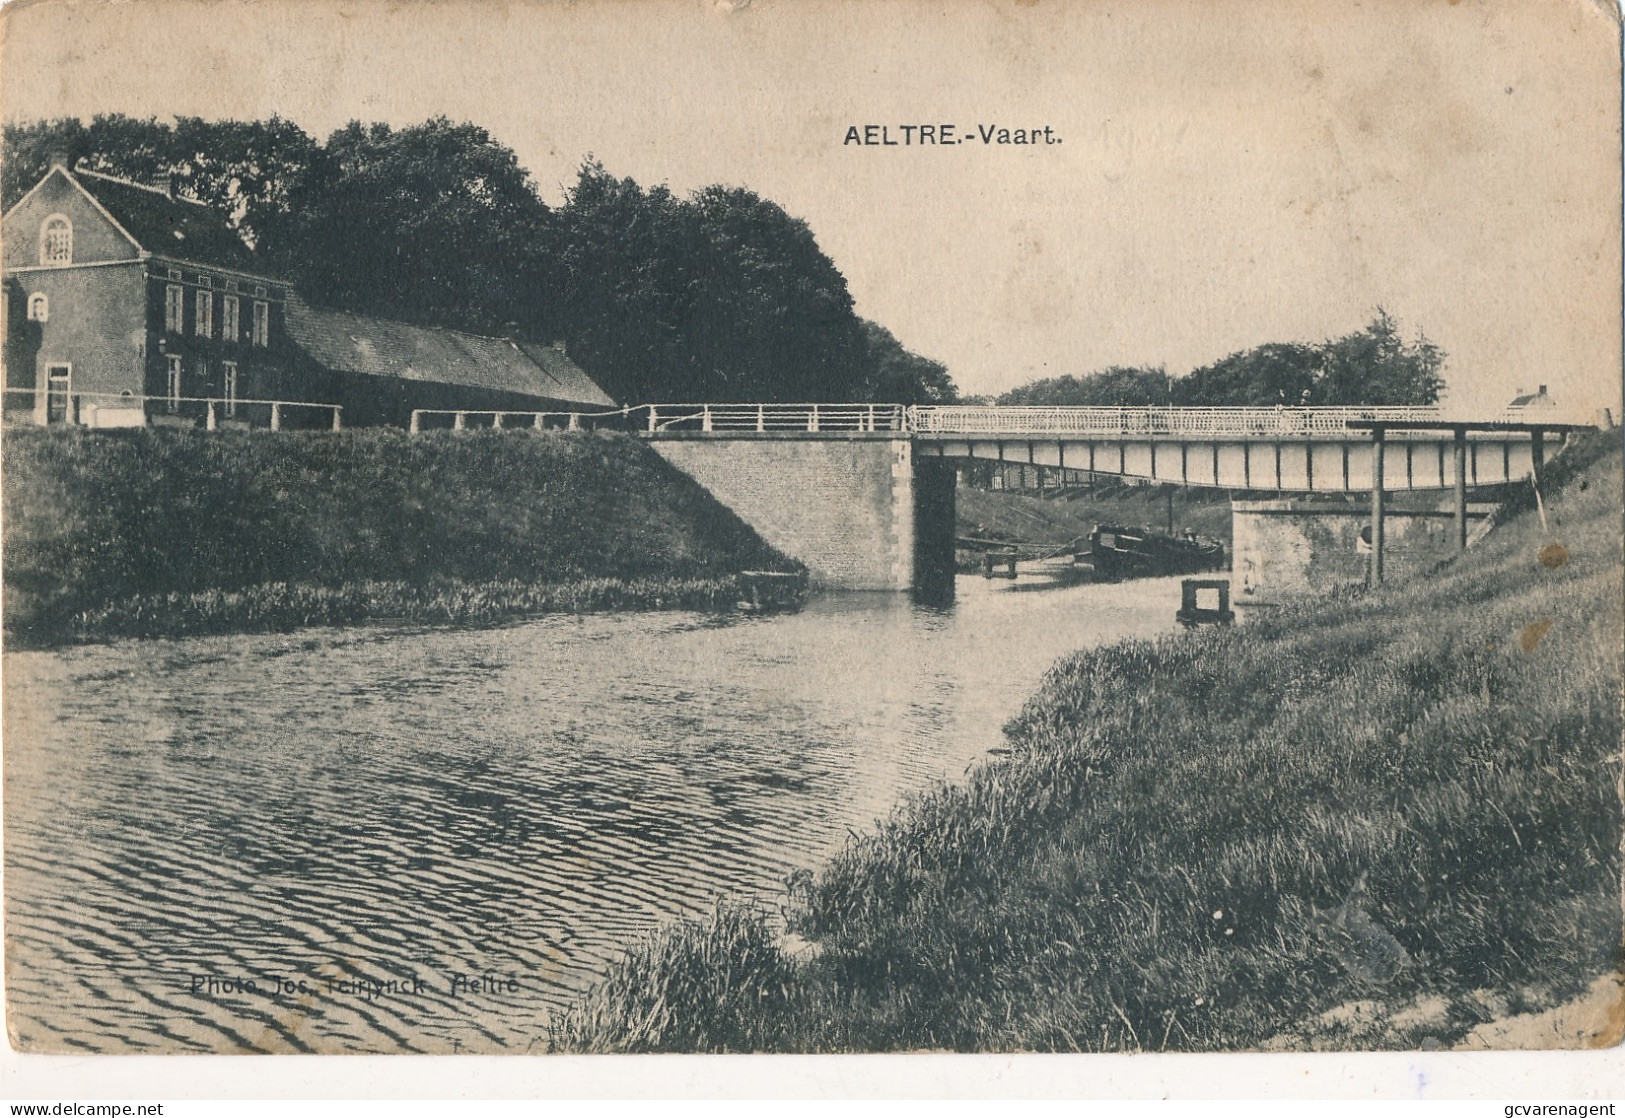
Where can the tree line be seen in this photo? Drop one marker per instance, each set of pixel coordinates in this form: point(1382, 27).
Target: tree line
point(1374, 365)
point(718, 296)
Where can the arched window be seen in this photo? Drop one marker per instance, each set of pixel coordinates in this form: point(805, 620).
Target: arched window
point(39, 307)
point(56, 240)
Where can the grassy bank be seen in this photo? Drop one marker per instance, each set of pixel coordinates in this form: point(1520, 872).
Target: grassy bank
point(1376, 821)
point(159, 532)
point(1047, 523)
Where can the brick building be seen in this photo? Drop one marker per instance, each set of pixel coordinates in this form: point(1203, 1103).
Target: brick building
point(126, 305)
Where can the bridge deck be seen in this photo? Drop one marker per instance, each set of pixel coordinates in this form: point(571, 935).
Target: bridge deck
point(1285, 449)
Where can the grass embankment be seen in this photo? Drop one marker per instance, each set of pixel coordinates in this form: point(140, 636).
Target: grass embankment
point(1044, 523)
point(155, 532)
point(1374, 821)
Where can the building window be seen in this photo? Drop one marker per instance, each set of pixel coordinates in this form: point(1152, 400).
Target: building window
point(259, 292)
point(175, 308)
point(231, 285)
point(173, 389)
point(262, 324)
point(230, 377)
point(39, 308)
point(204, 325)
point(56, 240)
point(175, 274)
point(228, 318)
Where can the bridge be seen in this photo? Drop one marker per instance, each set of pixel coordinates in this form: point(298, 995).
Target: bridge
point(1295, 450)
point(863, 493)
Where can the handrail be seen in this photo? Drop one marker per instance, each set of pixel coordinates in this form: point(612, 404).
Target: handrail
point(927, 419)
point(1000, 420)
point(765, 417)
point(229, 404)
point(538, 419)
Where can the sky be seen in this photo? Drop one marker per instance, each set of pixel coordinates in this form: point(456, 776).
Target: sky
point(1227, 173)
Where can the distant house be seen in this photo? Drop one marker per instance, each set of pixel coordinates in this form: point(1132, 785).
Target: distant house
point(1528, 403)
point(126, 305)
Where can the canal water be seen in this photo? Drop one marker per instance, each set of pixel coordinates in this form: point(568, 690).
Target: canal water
point(385, 839)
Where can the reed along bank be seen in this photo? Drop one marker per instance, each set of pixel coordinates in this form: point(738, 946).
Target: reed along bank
point(1375, 821)
point(162, 532)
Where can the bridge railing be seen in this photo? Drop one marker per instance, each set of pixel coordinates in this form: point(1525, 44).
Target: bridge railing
point(776, 417)
point(126, 409)
point(956, 419)
point(462, 419)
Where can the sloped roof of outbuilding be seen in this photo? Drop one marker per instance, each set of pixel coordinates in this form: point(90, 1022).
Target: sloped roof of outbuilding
point(570, 379)
point(355, 343)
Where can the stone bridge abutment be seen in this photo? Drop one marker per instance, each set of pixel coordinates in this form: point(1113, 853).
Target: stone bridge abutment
point(862, 511)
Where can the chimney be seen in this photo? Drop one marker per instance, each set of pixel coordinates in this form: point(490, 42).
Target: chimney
point(60, 158)
point(1542, 391)
point(561, 350)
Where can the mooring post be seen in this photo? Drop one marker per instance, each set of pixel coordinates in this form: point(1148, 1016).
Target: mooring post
point(1461, 488)
point(1537, 455)
point(459, 420)
point(416, 425)
point(276, 417)
point(209, 423)
point(1376, 506)
point(338, 422)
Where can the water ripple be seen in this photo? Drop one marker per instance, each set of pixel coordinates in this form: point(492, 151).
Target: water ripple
point(196, 828)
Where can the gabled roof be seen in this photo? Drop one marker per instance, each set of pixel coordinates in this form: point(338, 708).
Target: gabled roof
point(354, 343)
point(1538, 399)
point(166, 226)
point(570, 381)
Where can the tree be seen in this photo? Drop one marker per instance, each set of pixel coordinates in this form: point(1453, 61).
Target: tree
point(897, 376)
point(436, 223)
point(250, 171)
point(1376, 366)
point(1373, 366)
point(246, 170)
point(1115, 386)
point(771, 314)
point(721, 296)
point(1267, 375)
point(624, 273)
point(113, 144)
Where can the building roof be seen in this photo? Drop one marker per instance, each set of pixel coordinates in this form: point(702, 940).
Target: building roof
point(570, 380)
point(354, 343)
point(166, 226)
point(1535, 399)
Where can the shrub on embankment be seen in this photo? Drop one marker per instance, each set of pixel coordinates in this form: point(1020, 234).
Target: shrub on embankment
point(1373, 821)
point(156, 531)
